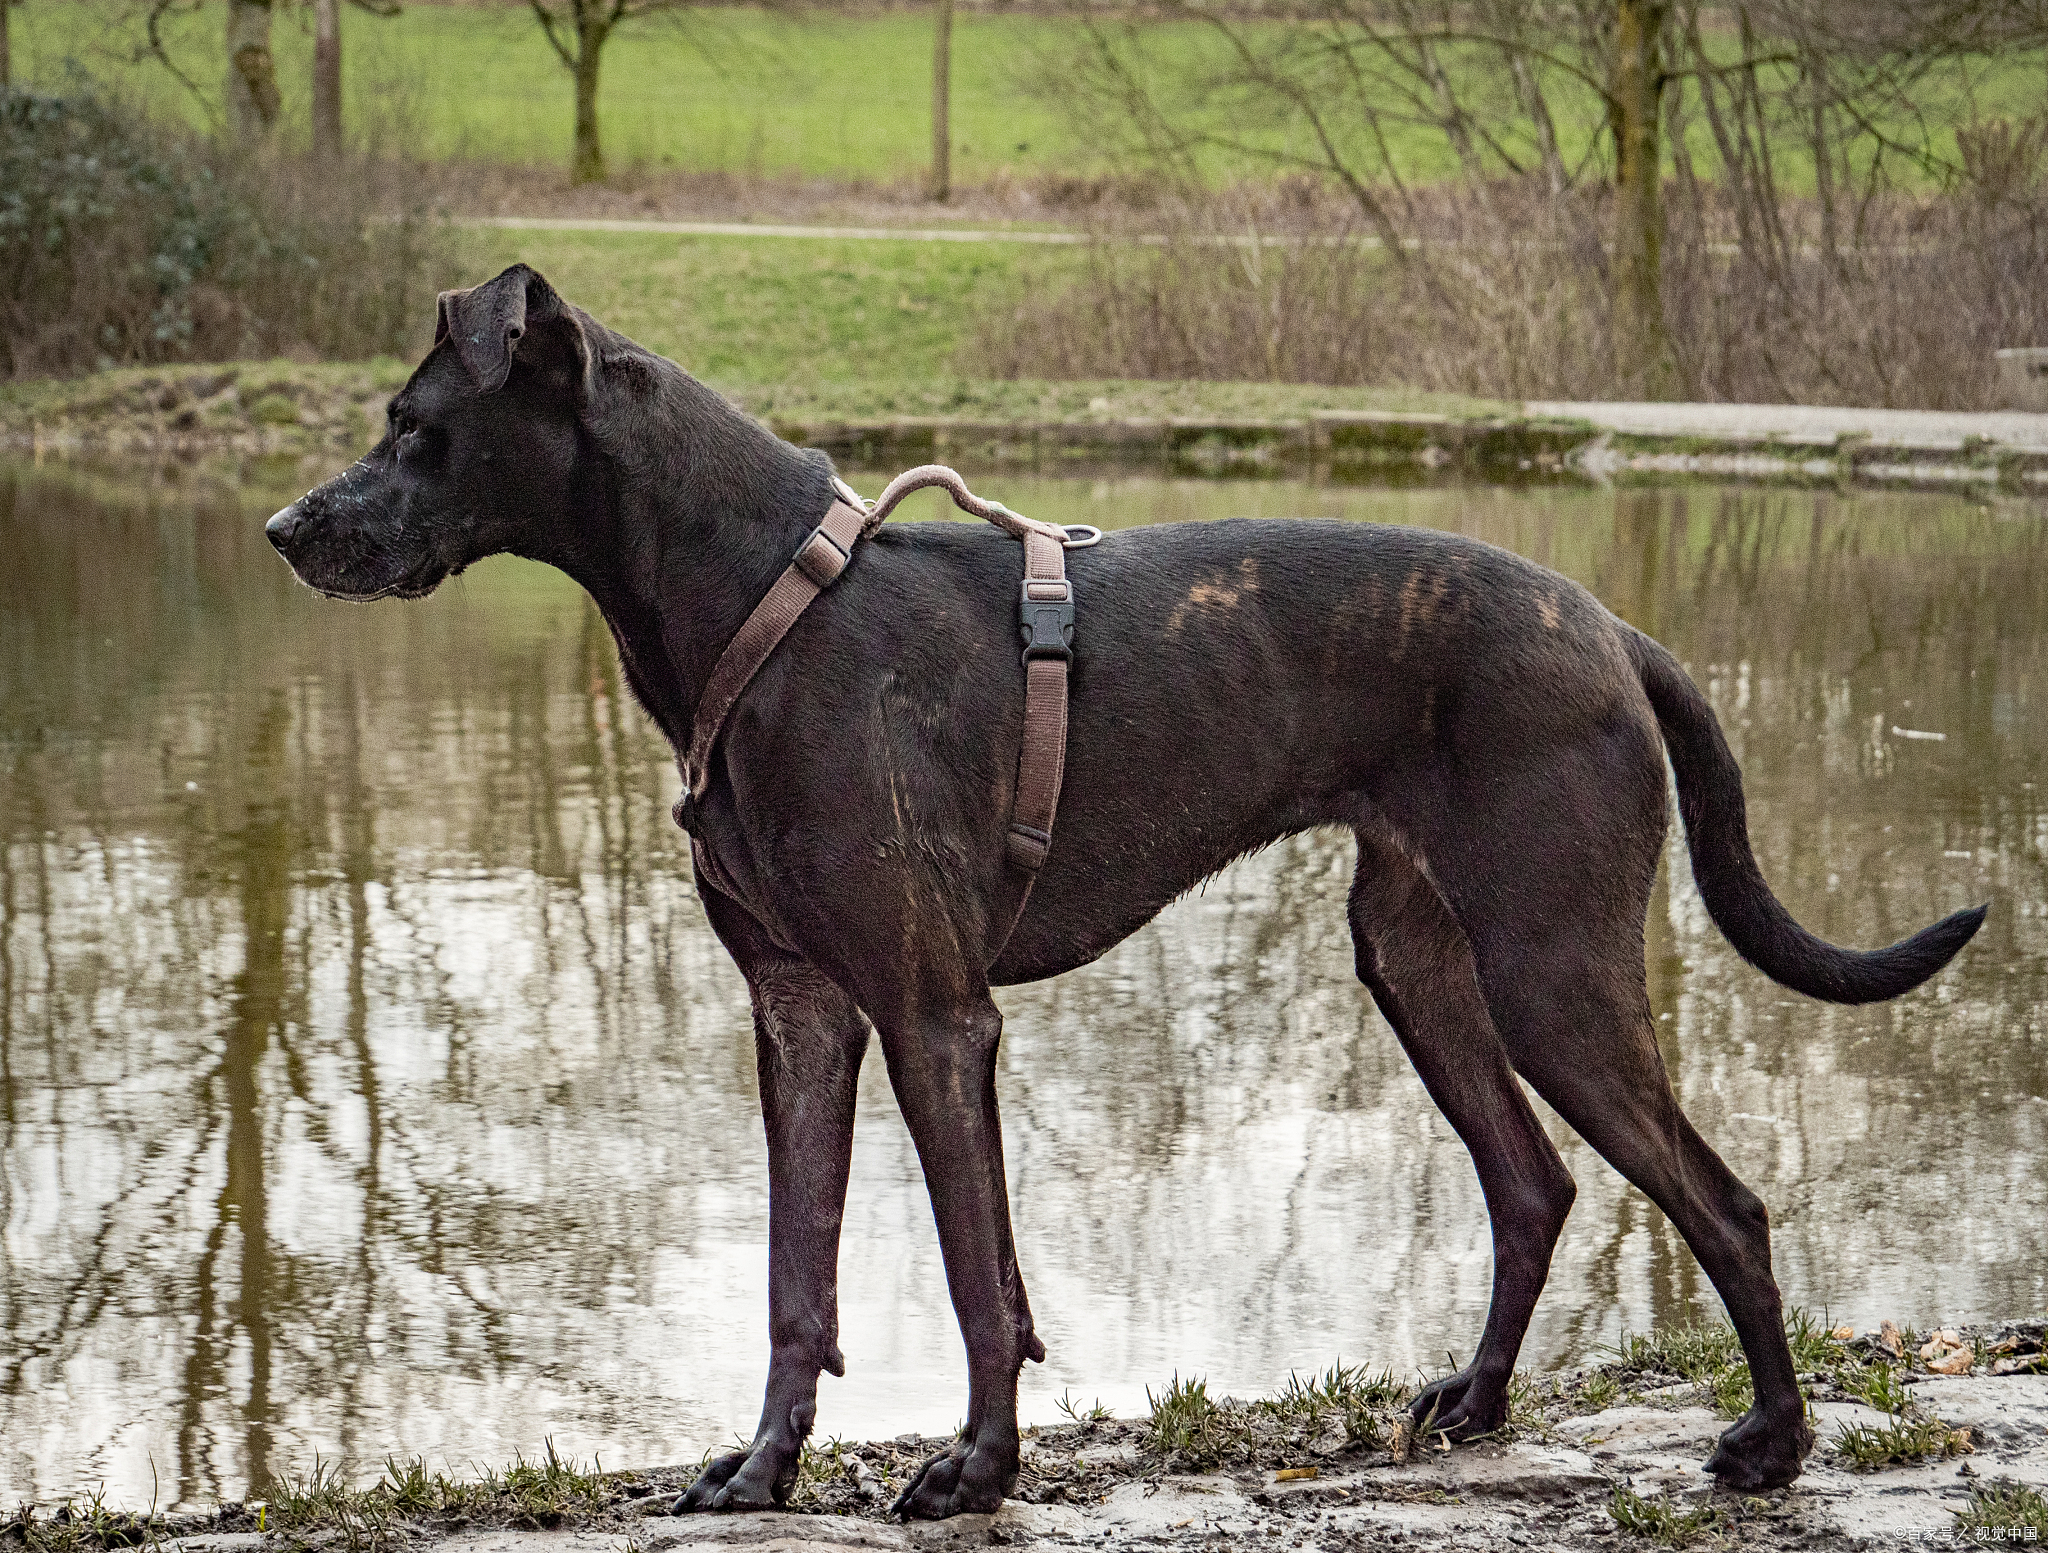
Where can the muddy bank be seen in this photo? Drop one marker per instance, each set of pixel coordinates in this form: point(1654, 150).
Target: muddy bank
point(1938, 1437)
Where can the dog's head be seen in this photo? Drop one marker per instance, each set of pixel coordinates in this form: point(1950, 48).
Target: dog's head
point(478, 456)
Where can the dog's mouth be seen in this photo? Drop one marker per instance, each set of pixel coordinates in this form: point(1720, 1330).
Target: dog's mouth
point(415, 584)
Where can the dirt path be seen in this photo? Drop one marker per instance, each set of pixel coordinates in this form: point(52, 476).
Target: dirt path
point(871, 234)
point(1808, 425)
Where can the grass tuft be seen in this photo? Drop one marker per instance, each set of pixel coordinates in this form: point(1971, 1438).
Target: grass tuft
point(1900, 1439)
point(1878, 1386)
point(1185, 1423)
point(1094, 1413)
point(545, 1493)
point(1659, 1519)
point(2004, 1512)
point(1710, 1357)
point(1349, 1396)
point(1697, 1353)
point(84, 1524)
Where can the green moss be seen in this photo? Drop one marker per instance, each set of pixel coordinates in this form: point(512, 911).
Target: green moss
point(274, 409)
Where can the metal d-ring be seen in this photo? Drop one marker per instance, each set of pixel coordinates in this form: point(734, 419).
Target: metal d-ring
point(1081, 535)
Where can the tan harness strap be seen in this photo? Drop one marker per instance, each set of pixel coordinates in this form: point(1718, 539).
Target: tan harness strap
point(1045, 614)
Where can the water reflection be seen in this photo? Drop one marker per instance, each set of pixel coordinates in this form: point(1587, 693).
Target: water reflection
point(370, 1080)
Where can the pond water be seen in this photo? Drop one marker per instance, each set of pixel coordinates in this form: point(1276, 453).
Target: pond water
point(370, 1081)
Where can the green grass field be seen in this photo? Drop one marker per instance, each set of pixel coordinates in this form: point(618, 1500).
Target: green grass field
point(769, 93)
point(723, 90)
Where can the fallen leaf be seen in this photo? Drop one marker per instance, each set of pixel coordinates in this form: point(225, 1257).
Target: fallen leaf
point(1890, 1340)
point(1294, 1474)
point(1957, 1363)
point(1843, 1334)
point(1403, 1441)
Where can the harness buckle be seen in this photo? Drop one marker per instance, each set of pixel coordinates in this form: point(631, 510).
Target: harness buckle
point(1045, 618)
point(1027, 846)
point(820, 557)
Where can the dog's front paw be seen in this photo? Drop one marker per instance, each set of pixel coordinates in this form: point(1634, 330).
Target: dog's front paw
point(966, 1480)
point(1759, 1453)
point(1464, 1406)
point(755, 1479)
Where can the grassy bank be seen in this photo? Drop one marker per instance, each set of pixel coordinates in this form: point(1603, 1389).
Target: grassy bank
point(289, 407)
point(778, 310)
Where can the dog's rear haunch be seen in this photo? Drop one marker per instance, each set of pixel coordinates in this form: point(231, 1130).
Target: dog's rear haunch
point(1492, 736)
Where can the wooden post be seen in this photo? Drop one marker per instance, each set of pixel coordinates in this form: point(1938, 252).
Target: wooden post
point(942, 101)
point(327, 80)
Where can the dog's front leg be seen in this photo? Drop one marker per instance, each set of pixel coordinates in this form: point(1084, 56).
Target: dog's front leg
point(809, 1039)
point(942, 1065)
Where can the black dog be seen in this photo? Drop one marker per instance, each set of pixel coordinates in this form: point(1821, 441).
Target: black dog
point(1492, 736)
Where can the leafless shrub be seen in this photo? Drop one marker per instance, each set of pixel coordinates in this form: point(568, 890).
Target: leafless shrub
point(1510, 298)
point(123, 242)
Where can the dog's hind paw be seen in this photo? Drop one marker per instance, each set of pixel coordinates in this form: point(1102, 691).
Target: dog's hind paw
point(743, 1480)
point(1757, 1453)
point(961, 1481)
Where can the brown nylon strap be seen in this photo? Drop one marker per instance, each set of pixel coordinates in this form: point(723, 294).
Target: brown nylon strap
point(816, 566)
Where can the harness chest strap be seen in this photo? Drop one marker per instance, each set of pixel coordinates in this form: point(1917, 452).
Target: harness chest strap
point(1046, 623)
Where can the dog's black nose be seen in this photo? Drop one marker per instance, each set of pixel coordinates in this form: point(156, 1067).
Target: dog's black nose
point(282, 525)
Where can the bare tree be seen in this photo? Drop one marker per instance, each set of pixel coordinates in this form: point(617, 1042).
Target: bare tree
point(578, 31)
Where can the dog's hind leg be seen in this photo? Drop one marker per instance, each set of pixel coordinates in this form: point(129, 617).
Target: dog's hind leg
point(1586, 1042)
point(942, 1065)
point(809, 1039)
point(1551, 868)
point(1414, 957)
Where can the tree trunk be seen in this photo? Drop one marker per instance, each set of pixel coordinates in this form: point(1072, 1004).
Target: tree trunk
point(327, 80)
point(942, 101)
point(253, 99)
point(1636, 92)
point(588, 166)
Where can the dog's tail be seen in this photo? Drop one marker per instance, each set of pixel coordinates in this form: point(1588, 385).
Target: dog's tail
point(1724, 867)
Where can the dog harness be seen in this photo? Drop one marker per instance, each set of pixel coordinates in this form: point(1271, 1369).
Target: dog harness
point(1045, 621)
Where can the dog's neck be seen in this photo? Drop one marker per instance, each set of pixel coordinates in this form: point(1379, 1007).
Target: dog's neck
point(691, 510)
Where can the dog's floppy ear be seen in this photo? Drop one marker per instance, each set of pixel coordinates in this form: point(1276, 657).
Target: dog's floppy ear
point(487, 323)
